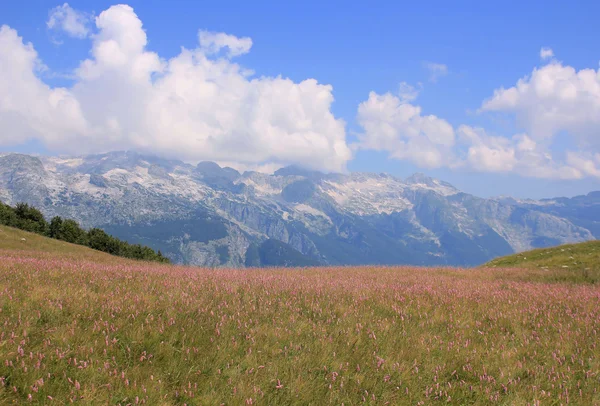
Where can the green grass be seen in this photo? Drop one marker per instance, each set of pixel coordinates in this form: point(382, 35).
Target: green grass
point(17, 241)
point(579, 263)
point(79, 326)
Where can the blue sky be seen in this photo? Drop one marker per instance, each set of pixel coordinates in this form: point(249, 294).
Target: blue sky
point(358, 48)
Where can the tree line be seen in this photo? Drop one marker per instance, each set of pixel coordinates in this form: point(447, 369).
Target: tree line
point(28, 218)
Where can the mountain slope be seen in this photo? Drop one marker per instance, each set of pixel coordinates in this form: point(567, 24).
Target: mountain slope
point(213, 216)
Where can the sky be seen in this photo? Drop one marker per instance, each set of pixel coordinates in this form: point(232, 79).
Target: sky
point(497, 98)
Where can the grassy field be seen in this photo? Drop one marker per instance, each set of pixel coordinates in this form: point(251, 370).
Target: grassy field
point(80, 326)
point(17, 242)
point(578, 263)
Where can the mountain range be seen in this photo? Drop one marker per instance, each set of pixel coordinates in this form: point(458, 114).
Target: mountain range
point(212, 216)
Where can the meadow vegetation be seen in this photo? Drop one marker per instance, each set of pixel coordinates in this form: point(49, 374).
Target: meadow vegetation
point(577, 263)
point(85, 327)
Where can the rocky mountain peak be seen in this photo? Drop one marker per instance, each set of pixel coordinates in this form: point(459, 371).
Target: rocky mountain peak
point(212, 169)
point(295, 170)
point(420, 179)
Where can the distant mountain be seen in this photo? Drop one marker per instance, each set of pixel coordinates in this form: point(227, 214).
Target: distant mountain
point(583, 211)
point(213, 216)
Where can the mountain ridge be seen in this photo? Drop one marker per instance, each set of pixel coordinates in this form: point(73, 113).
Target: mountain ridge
point(209, 215)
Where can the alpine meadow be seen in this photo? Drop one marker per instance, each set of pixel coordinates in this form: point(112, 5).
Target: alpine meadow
point(85, 327)
point(299, 203)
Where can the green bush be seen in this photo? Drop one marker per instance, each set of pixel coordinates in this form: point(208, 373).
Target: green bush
point(30, 219)
point(8, 217)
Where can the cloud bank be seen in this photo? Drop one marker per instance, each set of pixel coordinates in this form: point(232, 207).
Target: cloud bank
point(202, 105)
point(198, 105)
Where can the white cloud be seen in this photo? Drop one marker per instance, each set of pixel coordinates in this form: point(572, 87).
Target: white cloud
point(28, 107)
point(588, 164)
point(519, 154)
point(192, 106)
point(546, 53)
point(486, 153)
point(400, 129)
point(392, 124)
point(213, 42)
point(407, 92)
point(553, 99)
point(436, 70)
point(200, 106)
point(74, 23)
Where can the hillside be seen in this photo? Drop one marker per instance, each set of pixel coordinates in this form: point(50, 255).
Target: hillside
point(571, 261)
point(25, 244)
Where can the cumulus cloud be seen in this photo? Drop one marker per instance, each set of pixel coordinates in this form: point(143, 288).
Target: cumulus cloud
point(65, 18)
point(546, 53)
point(28, 107)
point(553, 99)
point(487, 153)
point(545, 104)
point(392, 124)
point(436, 70)
point(213, 42)
point(518, 154)
point(194, 106)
